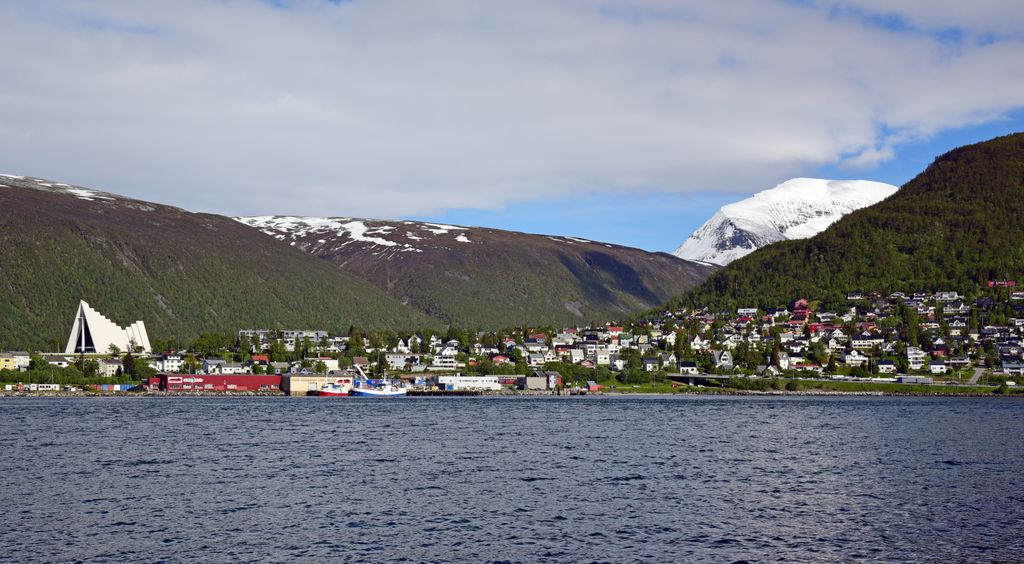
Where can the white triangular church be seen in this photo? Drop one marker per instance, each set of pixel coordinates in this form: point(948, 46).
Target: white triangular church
point(93, 333)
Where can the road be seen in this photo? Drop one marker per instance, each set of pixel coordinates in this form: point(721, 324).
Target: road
point(977, 374)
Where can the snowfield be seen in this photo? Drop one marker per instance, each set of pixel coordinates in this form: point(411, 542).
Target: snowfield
point(796, 209)
point(341, 231)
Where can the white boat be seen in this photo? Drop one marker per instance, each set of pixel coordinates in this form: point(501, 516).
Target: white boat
point(383, 388)
point(385, 391)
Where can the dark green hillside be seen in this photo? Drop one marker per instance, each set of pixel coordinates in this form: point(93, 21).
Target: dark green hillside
point(490, 278)
point(182, 273)
point(956, 225)
point(508, 278)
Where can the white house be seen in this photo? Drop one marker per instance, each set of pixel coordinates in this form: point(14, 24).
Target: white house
point(576, 356)
point(854, 358)
point(444, 359)
point(170, 362)
point(915, 358)
point(688, 367)
point(723, 359)
point(109, 367)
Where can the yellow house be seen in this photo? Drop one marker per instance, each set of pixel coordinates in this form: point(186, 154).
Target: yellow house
point(7, 362)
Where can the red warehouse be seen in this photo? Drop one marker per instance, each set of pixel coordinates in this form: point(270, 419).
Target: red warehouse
point(219, 382)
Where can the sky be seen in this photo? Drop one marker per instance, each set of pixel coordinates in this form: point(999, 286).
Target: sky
point(630, 122)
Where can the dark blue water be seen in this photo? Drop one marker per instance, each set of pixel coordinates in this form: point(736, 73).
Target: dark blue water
point(570, 479)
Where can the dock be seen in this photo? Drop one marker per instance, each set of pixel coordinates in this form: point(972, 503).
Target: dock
point(434, 393)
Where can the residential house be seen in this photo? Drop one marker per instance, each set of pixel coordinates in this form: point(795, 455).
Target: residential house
point(168, 363)
point(854, 358)
point(723, 359)
point(688, 367)
point(22, 360)
point(445, 359)
point(233, 368)
point(213, 365)
point(110, 367)
point(866, 341)
point(668, 360)
point(501, 359)
point(399, 361)
point(575, 356)
point(535, 360)
point(915, 358)
point(698, 344)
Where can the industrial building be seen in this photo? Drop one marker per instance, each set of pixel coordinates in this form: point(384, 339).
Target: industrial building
point(215, 382)
point(306, 384)
point(454, 382)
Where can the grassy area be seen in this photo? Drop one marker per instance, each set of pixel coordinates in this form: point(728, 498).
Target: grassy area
point(62, 376)
point(665, 388)
point(795, 385)
point(841, 386)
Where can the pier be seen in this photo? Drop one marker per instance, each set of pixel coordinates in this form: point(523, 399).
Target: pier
point(434, 393)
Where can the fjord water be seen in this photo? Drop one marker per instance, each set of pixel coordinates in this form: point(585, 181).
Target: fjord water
point(523, 479)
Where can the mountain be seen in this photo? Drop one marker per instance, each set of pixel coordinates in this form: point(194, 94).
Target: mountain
point(955, 226)
point(490, 278)
point(796, 209)
point(182, 273)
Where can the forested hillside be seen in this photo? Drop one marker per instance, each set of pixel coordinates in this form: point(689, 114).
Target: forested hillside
point(182, 273)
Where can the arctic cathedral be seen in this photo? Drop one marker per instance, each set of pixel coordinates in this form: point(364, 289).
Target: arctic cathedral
point(93, 333)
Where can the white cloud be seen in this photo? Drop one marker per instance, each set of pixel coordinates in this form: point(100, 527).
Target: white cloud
point(396, 107)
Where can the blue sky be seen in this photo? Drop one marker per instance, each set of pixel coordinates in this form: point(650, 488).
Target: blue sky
point(660, 221)
point(628, 121)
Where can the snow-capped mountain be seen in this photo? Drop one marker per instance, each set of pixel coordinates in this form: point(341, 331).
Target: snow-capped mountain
point(796, 209)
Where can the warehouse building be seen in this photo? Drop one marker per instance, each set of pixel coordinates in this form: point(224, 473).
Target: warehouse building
point(216, 382)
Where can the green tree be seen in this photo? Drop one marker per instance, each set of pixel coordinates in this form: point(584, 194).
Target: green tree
point(128, 363)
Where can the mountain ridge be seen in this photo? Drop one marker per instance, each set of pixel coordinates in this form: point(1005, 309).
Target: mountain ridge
point(503, 277)
point(181, 272)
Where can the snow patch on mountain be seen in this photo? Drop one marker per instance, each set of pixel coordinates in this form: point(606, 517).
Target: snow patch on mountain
point(312, 232)
point(796, 209)
point(82, 193)
point(87, 194)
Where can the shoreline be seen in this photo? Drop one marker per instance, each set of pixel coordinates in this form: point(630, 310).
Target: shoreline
point(615, 394)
